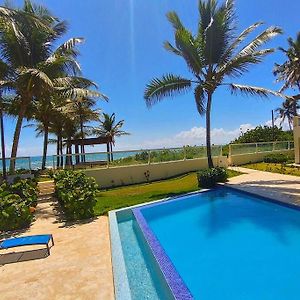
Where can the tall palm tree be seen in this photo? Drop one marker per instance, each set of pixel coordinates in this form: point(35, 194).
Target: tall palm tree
point(287, 112)
point(289, 71)
point(42, 112)
point(109, 127)
point(38, 68)
point(212, 55)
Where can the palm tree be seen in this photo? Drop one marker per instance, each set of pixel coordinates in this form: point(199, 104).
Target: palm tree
point(287, 112)
point(37, 68)
point(212, 55)
point(289, 71)
point(109, 127)
point(42, 112)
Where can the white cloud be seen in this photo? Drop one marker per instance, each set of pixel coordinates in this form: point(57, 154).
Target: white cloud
point(193, 136)
point(277, 122)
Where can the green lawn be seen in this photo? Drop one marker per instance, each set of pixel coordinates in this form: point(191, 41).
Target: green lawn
point(274, 168)
point(141, 193)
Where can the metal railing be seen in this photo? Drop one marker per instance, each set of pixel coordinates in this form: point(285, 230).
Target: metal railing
point(20, 163)
point(131, 157)
point(250, 148)
point(145, 156)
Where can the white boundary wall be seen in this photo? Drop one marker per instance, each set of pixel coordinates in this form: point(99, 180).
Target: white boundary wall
point(126, 175)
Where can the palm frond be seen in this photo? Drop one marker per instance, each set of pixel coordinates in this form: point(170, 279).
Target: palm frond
point(169, 47)
point(167, 86)
point(261, 39)
point(187, 46)
point(35, 76)
point(174, 20)
point(229, 52)
point(248, 90)
point(200, 99)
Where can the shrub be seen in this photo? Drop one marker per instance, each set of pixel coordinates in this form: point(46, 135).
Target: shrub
point(276, 158)
point(14, 212)
point(27, 189)
point(15, 202)
point(208, 178)
point(76, 193)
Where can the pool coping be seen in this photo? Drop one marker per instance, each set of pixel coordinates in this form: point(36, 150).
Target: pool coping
point(175, 282)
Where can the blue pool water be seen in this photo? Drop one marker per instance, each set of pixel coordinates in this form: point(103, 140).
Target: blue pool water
point(230, 245)
point(145, 279)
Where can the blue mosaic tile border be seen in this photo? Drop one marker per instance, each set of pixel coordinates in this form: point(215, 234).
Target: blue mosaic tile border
point(179, 290)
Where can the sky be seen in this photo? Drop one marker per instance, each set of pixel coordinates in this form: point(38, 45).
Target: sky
point(123, 51)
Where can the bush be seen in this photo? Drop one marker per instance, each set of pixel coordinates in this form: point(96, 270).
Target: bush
point(15, 203)
point(27, 189)
point(208, 178)
point(76, 193)
point(276, 158)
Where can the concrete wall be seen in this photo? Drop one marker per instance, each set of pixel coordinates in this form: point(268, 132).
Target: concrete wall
point(125, 175)
point(241, 159)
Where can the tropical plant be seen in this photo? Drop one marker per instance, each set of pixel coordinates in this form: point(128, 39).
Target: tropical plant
point(289, 71)
point(76, 193)
point(15, 203)
point(287, 111)
point(37, 67)
point(212, 55)
point(109, 127)
point(208, 178)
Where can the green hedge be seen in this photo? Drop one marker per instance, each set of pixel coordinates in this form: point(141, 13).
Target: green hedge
point(76, 193)
point(15, 203)
point(208, 178)
point(276, 158)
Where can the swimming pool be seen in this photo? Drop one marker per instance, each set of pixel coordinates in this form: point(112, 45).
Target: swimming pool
point(221, 244)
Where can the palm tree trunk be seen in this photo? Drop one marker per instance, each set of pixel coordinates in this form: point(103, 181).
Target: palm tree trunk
point(208, 137)
point(107, 150)
point(16, 139)
point(2, 144)
point(82, 137)
point(45, 147)
point(111, 152)
point(57, 152)
point(61, 151)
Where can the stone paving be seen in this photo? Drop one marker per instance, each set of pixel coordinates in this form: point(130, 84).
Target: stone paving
point(79, 266)
point(285, 188)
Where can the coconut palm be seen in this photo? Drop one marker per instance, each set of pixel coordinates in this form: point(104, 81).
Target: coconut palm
point(289, 71)
point(287, 112)
point(42, 112)
point(37, 67)
point(109, 127)
point(213, 55)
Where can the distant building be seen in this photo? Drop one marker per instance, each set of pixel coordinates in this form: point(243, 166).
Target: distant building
point(297, 139)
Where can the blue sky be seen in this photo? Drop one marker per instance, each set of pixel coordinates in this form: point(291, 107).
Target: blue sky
point(123, 51)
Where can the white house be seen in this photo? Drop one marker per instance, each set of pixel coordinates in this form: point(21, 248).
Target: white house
point(297, 139)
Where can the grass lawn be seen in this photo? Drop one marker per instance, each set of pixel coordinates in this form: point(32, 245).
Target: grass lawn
point(141, 193)
point(274, 168)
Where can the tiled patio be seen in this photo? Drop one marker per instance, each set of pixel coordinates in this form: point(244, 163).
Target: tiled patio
point(79, 266)
point(280, 187)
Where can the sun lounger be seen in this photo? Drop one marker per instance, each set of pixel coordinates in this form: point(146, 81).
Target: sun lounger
point(28, 241)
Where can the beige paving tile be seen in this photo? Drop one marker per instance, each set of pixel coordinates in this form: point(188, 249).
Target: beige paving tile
point(285, 188)
point(79, 266)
